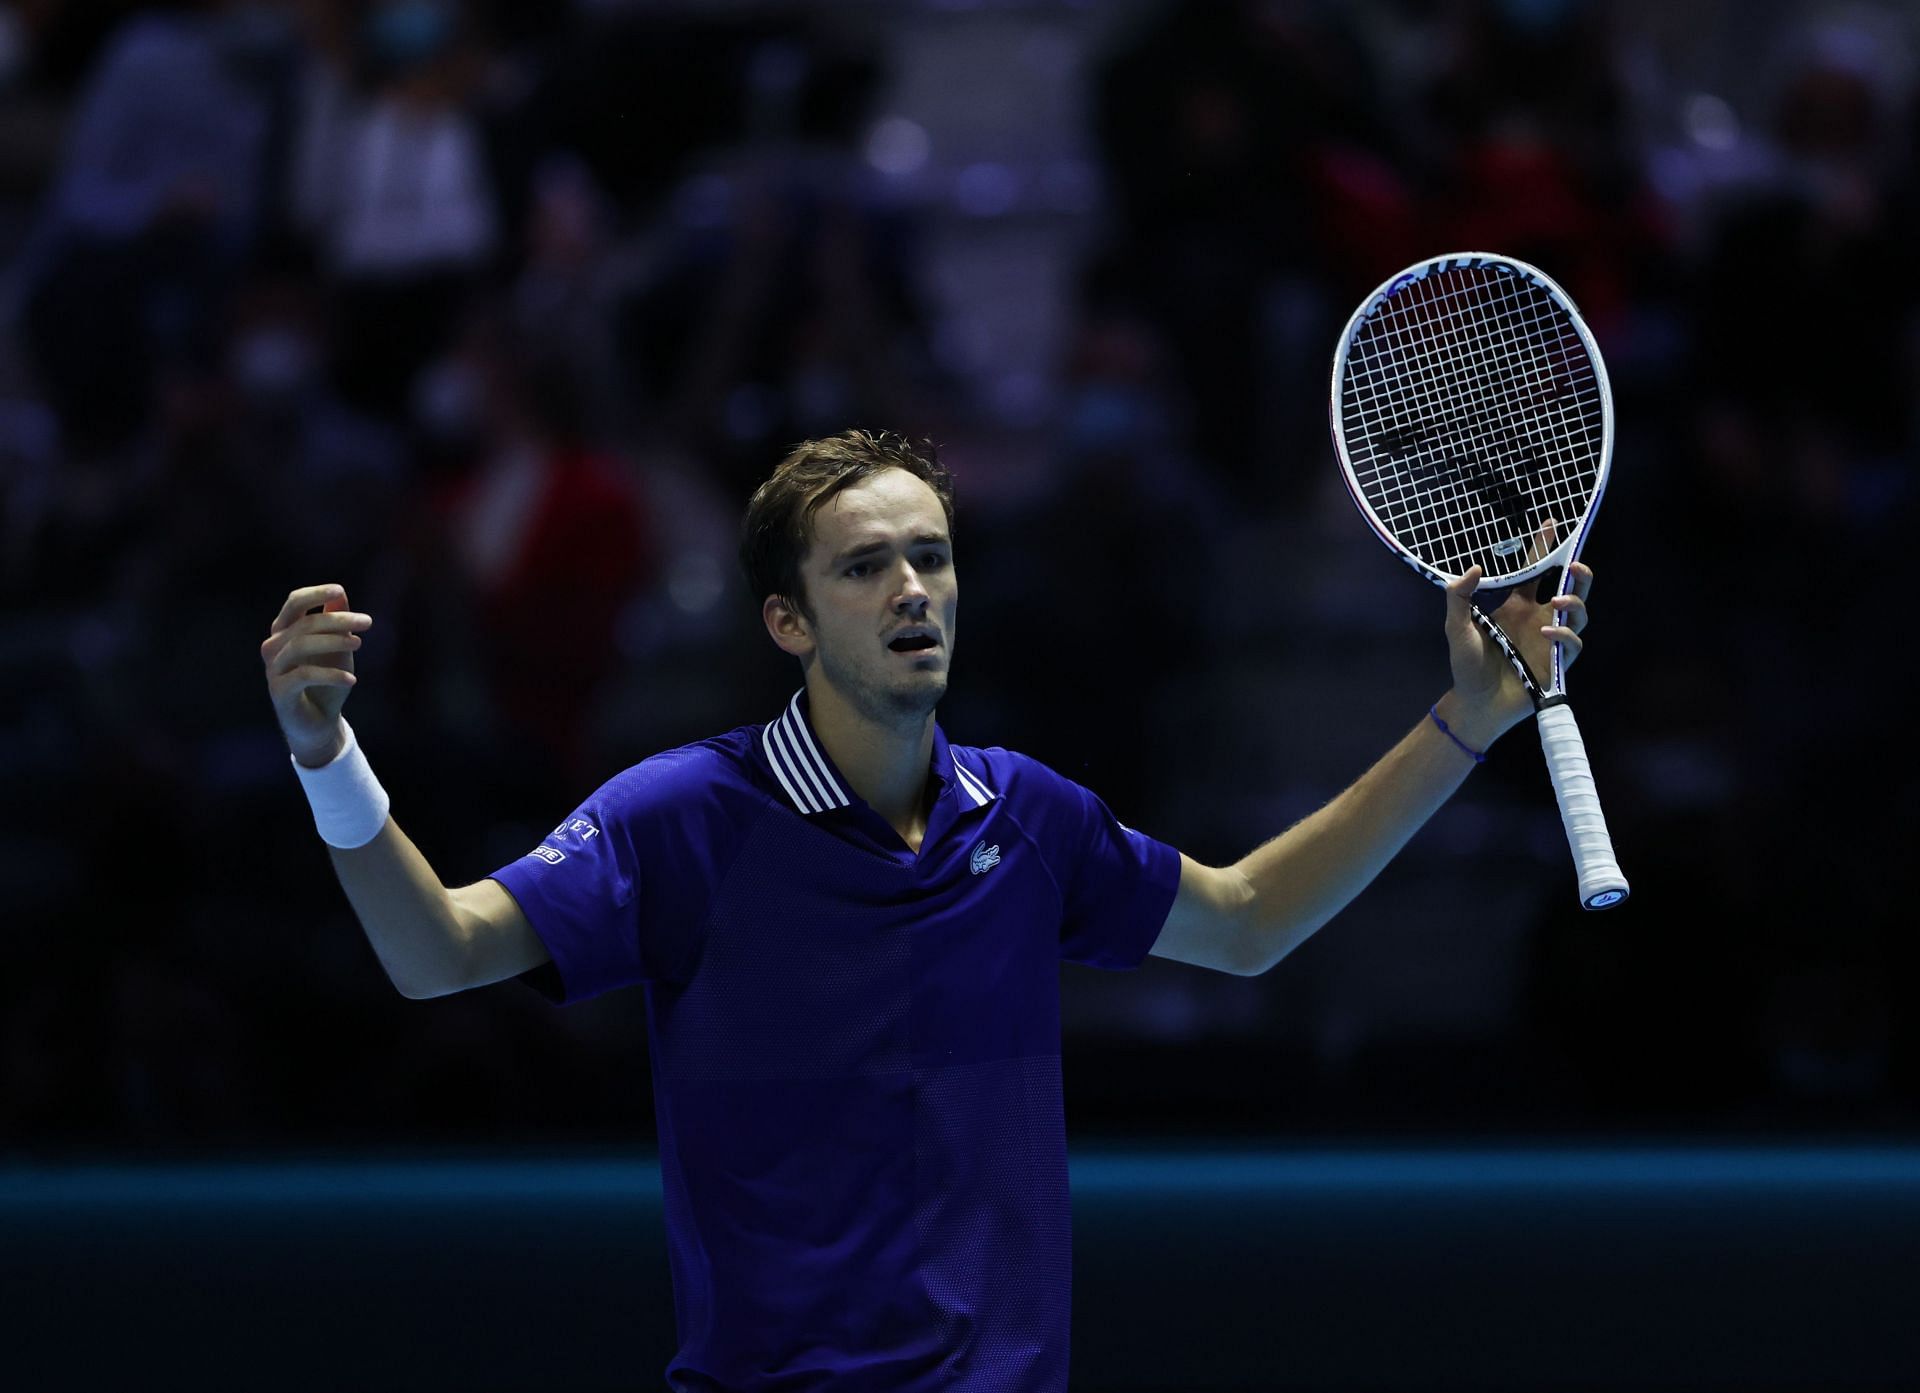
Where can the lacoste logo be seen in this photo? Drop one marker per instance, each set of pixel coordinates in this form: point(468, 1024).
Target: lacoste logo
point(984, 858)
point(551, 855)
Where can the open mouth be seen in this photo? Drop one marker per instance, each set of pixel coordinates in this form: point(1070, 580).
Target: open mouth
point(914, 643)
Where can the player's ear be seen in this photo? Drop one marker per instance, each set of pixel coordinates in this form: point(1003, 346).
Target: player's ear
point(787, 625)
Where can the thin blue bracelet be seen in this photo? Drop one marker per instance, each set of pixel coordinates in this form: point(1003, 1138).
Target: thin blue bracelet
point(1434, 711)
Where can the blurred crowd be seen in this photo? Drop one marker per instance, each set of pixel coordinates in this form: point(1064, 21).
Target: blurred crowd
point(496, 313)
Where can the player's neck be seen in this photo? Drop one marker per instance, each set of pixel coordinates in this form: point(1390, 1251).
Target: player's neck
point(887, 765)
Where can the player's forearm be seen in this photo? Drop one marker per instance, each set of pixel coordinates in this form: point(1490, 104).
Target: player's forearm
point(1314, 869)
point(406, 910)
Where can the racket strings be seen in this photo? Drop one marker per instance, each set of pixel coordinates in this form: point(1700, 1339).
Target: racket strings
point(1472, 413)
point(1467, 369)
point(1459, 347)
point(1448, 388)
point(1452, 349)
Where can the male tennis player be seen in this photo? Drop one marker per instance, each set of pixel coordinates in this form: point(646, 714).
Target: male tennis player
point(848, 931)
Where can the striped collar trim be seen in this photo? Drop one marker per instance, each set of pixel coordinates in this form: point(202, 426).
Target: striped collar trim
point(799, 764)
point(970, 782)
point(808, 776)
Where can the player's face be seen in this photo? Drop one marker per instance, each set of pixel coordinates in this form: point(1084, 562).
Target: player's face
point(881, 563)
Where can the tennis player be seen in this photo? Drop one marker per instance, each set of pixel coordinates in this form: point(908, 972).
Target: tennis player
point(848, 931)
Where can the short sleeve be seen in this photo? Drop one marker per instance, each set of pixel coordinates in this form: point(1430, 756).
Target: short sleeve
point(1117, 885)
point(618, 891)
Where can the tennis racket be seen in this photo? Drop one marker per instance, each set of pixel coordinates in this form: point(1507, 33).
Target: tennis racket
point(1474, 424)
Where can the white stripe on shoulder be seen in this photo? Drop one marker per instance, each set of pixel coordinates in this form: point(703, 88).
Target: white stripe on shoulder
point(978, 791)
point(833, 794)
point(778, 761)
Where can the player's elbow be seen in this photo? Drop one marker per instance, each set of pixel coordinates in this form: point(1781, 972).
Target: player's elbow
point(1280, 936)
point(1209, 924)
point(1237, 909)
point(423, 993)
point(424, 982)
point(427, 984)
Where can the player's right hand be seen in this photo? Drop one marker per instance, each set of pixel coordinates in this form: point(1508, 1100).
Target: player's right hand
point(309, 660)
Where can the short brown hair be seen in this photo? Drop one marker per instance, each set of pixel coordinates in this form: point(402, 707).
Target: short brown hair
point(779, 522)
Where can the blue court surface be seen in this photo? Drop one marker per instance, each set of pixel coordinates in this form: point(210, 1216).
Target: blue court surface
point(1301, 1266)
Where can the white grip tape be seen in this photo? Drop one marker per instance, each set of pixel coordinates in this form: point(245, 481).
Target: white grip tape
point(1601, 883)
point(349, 806)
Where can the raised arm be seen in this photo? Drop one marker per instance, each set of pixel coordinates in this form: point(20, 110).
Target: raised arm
point(430, 940)
point(1246, 917)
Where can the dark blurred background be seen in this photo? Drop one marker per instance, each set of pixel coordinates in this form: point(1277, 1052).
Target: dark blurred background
point(495, 314)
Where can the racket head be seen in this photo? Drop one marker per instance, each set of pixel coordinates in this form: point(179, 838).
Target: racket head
point(1469, 405)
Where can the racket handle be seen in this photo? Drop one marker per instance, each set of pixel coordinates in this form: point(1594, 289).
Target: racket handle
point(1601, 884)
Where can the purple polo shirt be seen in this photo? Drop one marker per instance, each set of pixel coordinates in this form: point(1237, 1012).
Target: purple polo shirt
point(855, 1049)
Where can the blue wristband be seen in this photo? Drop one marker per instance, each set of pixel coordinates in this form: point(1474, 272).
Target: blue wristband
point(1434, 711)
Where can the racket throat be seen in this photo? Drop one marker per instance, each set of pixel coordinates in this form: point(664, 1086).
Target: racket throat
point(1535, 692)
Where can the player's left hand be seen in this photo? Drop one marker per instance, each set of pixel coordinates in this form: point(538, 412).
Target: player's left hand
point(1484, 682)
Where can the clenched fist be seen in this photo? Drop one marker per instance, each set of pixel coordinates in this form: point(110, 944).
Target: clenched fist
point(309, 659)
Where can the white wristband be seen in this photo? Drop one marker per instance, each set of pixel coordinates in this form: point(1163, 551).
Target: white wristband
point(349, 806)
